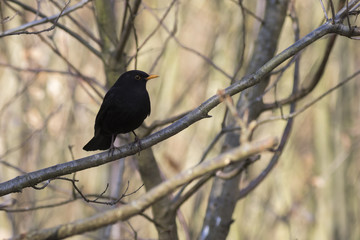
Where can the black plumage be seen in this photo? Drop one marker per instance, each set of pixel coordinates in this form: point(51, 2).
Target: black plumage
point(124, 109)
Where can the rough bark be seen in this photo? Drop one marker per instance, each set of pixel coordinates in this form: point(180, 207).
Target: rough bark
point(151, 176)
point(223, 198)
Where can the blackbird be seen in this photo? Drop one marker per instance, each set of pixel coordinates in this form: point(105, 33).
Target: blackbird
point(124, 109)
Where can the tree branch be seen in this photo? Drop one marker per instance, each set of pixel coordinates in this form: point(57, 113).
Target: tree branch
point(139, 205)
point(52, 19)
point(284, 139)
point(201, 112)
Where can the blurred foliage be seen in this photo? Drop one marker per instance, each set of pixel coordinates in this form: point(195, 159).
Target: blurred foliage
point(313, 193)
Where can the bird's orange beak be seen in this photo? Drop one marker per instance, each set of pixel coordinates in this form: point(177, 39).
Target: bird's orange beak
point(151, 77)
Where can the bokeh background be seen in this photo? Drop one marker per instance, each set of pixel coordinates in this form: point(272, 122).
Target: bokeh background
point(47, 112)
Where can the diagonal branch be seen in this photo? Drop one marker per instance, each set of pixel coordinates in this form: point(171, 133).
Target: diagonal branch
point(125, 212)
point(37, 22)
point(52, 19)
point(44, 18)
point(303, 92)
point(201, 112)
point(312, 102)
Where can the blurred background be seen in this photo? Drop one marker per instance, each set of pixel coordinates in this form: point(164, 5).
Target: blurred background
point(51, 87)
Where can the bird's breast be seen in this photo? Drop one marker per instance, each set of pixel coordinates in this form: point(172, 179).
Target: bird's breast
point(126, 112)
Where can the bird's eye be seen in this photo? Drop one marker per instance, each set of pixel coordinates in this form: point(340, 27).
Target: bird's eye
point(137, 77)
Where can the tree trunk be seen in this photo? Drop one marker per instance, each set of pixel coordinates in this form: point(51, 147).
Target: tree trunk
point(223, 196)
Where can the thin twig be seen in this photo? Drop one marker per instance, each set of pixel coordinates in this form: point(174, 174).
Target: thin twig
point(79, 25)
point(332, 11)
point(45, 70)
point(57, 52)
point(160, 123)
point(132, 17)
point(239, 2)
point(38, 22)
point(205, 58)
point(180, 198)
point(309, 104)
point(159, 22)
point(59, 25)
point(126, 32)
point(313, 82)
point(323, 8)
point(26, 139)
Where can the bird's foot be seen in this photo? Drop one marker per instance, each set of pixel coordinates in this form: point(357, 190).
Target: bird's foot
point(111, 151)
point(137, 141)
point(112, 146)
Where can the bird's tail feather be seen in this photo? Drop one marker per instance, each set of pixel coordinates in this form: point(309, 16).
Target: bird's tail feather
point(99, 142)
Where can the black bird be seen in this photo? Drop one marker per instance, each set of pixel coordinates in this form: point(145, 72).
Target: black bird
point(124, 109)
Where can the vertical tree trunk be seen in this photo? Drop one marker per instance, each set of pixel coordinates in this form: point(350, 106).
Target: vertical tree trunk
point(223, 196)
point(107, 27)
point(151, 176)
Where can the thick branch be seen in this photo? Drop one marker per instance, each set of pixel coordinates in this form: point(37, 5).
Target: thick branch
point(126, 211)
point(33, 178)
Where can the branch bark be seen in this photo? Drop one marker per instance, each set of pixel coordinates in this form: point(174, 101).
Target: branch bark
point(201, 112)
point(155, 194)
point(52, 19)
point(151, 176)
point(223, 198)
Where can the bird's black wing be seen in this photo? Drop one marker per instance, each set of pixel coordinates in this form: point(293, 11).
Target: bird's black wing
point(149, 106)
point(106, 104)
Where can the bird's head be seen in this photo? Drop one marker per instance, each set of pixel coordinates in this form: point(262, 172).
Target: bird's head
point(134, 77)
